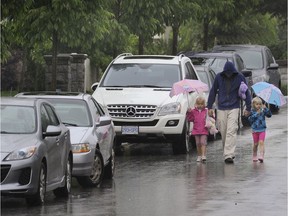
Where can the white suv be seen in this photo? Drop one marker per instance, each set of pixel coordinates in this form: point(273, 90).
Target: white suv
point(135, 89)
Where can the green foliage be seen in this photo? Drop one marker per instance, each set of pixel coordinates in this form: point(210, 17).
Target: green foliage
point(103, 29)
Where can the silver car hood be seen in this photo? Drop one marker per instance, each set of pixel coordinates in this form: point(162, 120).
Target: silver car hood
point(78, 134)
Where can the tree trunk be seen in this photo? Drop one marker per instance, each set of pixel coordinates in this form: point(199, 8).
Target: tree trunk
point(54, 61)
point(141, 45)
point(205, 33)
point(175, 29)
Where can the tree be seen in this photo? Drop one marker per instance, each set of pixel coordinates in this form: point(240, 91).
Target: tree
point(178, 13)
point(41, 25)
point(145, 19)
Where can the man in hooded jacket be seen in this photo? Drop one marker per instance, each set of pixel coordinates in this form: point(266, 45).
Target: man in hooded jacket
point(226, 85)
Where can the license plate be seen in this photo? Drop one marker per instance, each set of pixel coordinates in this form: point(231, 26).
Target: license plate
point(130, 129)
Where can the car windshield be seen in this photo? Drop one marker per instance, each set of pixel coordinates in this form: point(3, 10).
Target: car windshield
point(203, 76)
point(215, 63)
point(72, 112)
point(142, 75)
point(252, 58)
point(17, 119)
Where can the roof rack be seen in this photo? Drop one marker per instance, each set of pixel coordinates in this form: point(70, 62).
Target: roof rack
point(180, 57)
point(124, 54)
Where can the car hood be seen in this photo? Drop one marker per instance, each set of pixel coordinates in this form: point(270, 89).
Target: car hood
point(11, 142)
point(78, 134)
point(152, 96)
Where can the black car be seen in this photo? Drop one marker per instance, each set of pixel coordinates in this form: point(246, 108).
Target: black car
point(217, 60)
point(259, 60)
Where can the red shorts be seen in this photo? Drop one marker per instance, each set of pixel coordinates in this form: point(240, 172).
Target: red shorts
point(258, 136)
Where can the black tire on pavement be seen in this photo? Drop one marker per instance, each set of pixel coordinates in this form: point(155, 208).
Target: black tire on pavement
point(110, 168)
point(39, 197)
point(181, 143)
point(66, 189)
point(97, 172)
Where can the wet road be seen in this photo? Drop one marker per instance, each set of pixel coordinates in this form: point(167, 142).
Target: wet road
point(150, 180)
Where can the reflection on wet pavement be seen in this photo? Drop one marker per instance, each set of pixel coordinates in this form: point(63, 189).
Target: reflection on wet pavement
point(150, 180)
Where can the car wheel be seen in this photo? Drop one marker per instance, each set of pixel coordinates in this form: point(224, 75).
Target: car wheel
point(110, 168)
point(243, 119)
point(64, 191)
point(39, 197)
point(181, 143)
point(97, 172)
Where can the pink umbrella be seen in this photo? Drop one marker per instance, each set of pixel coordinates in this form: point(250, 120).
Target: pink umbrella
point(188, 85)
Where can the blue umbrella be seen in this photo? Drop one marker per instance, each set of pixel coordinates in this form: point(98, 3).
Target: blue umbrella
point(269, 93)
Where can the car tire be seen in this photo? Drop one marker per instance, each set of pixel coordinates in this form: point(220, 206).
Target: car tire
point(39, 197)
point(97, 172)
point(64, 191)
point(110, 168)
point(181, 143)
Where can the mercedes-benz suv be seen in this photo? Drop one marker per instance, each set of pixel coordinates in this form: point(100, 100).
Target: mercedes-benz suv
point(135, 89)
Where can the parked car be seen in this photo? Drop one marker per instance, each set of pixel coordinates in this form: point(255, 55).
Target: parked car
point(216, 61)
point(259, 60)
point(135, 89)
point(92, 134)
point(36, 153)
point(206, 74)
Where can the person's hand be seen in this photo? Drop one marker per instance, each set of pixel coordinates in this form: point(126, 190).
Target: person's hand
point(211, 112)
point(263, 106)
point(246, 113)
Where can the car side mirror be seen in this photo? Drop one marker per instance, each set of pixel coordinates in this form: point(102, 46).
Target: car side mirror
point(94, 86)
point(273, 66)
point(103, 120)
point(52, 131)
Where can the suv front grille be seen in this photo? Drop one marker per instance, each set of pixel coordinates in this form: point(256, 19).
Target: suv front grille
point(131, 111)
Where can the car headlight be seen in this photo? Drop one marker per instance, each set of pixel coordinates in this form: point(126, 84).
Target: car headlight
point(21, 154)
point(81, 148)
point(172, 108)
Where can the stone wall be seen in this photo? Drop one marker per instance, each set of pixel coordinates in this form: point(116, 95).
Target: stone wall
point(71, 72)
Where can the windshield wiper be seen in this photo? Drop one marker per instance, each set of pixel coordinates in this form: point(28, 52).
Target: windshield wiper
point(69, 124)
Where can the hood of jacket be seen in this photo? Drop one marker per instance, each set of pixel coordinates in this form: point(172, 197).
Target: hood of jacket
point(229, 69)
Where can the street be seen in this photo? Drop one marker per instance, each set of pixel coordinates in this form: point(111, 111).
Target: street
point(151, 181)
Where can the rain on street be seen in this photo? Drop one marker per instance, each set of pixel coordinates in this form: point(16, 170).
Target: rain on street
point(150, 180)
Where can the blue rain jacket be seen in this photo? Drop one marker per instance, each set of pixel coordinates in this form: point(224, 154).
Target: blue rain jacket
point(226, 85)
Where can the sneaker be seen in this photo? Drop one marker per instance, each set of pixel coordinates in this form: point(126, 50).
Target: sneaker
point(204, 158)
point(199, 159)
point(229, 160)
point(255, 159)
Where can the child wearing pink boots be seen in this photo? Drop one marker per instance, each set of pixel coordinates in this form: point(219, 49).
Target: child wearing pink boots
point(258, 125)
point(197, 115)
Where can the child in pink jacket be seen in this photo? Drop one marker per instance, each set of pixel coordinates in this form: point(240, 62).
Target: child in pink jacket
point(198, 115)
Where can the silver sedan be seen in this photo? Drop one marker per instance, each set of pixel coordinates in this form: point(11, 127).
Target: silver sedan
point(36, 153)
